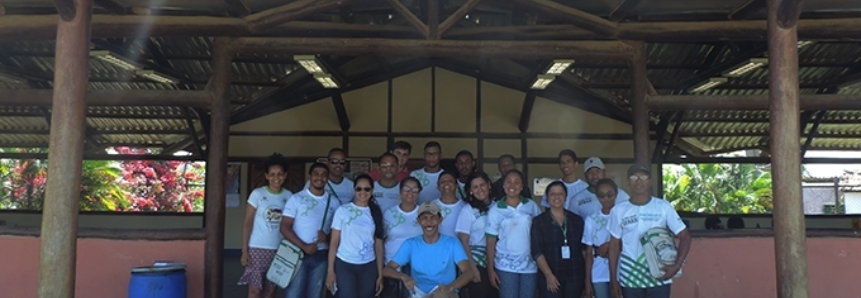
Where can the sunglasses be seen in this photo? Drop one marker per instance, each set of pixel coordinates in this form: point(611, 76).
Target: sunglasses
point(365, 189)
point(336, 161)
point(410, 189)
point(640, 177)
point(602, 195)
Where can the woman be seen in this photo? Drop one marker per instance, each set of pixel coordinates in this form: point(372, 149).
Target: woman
point(356, 245)
point(471, 223)
point(401, 224)
point(596, 237)
point(260, 229)
point(556, 247)
point(510, 266)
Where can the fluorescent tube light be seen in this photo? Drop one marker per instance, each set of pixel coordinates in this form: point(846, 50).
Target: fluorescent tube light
point(109, 57)
point(746, 67)
point(326, 80)
point(309, 62)
point(559, 66)
point(155, 76)
point(710, 83)
point(804, 43)
point(542, 81)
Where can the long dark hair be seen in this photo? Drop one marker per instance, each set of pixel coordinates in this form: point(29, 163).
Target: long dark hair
point(471, 199)
point(376, 212)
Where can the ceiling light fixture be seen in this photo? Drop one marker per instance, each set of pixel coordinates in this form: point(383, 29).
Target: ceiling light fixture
point(109, 57)
point(559, 66)
point(804, 43)
point(155, 76)
point(309, 62)
point(710, 83)
point(326, 80)
point(542, 81)
point(746, 67)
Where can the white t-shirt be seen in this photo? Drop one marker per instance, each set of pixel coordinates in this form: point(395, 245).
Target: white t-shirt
point(357, 234)
point(400, 226)
point(586, 202)
point(265, 232)
point(342, 191)
point(512, 228)
point(595, 233)
point(387, 197)
point(629, 222)
point(430, 191)
point(461, 190)
point(308, 212)
point(574, 189)
point(449, 213)
point(470, 221)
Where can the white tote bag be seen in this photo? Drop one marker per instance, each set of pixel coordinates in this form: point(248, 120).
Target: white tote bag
point(660, 249)
point(286, 264)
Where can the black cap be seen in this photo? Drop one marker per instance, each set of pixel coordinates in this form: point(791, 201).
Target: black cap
point(639, 167)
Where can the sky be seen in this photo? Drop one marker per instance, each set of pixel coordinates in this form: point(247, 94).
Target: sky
point(831, 170)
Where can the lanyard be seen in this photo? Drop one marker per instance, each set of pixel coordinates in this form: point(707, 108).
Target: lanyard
point(565, 230)
point(329, 183)
point(462, 195)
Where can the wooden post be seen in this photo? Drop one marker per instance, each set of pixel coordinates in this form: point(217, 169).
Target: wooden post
point(60, 213)
point(639, 86)
point(216, 169)
point(789, 228)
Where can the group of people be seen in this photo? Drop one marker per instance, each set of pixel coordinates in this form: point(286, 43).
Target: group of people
point(397, 233)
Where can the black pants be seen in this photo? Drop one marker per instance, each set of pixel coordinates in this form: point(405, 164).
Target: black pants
point(482, 289)
point(356, 281)
point(393, 288)
point(656, 292)
point(567, 289)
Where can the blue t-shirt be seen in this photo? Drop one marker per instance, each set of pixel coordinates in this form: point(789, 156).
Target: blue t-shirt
point(428, 272)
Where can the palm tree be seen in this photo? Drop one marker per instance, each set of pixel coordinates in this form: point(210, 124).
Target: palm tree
point(718, 188)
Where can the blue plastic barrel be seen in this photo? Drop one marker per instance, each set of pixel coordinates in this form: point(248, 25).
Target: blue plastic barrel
point(158, 282)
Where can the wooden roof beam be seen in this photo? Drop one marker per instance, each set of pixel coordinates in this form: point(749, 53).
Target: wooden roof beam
point(42, 97)
point(572, 15)
point(239, 7)
point(438, 48)
point(747, 10)
point(749, 102)
point(112, 6)
point(623, 10)
point(289, 12)
point(455, 17)
point(405, 12)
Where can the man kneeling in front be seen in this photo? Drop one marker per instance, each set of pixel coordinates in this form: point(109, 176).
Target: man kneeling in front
point(433, 259)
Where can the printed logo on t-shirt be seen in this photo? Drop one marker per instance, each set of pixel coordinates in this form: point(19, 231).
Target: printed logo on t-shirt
point(311, 204)
point(419, 175)
point(273, 215)
point(629, 220)
point(356, 213)
point(584, 201)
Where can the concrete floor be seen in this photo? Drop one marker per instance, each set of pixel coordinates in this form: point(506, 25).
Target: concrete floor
point(232, 271)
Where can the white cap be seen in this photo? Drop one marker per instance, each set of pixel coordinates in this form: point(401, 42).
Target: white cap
point(592, 162)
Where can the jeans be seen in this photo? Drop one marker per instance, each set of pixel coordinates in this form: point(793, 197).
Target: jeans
point(567, 289)
point(601, 289)
point(309, 281)
point(516, 285)
point(656, 292)
point(481, 289)
point(359, 281)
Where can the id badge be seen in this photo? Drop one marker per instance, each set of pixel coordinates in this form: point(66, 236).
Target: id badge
point(566, 252)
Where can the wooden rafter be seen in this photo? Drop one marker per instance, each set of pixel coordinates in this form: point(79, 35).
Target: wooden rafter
point(239, 7)
point(749, 102)
point(572, 15)
point(289, 12)
point(405, 12)
point(526, 112)
point(438, 48)
point(747, 10)
point(66, 8)
point(433, 19)
point(455, 17)
point(623, 10)
point(42, 97)
point(112, 6)
point(341, 111)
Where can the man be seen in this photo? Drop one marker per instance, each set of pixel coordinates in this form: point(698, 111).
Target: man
point(429, 174)
point(386, 189)
point(629, 273)
point(465, 164)
point(338, 186)
point(401, 150)
point(433, 258)
point(307, 222)
point(568, 166)
point(587, 202)
point(505, 163)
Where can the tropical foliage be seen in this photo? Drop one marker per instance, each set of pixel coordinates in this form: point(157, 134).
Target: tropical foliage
point(718, 188)
point(171, 186)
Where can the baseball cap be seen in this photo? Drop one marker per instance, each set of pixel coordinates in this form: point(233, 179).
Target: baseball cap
point(429, 207)
point(639, 167)
point(592, 162)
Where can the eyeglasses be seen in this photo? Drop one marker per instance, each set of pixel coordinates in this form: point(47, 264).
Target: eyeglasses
point(640, 177)
point(602, 195)
point(336, 161)
point(365, 189)
point(388, 165)
point(410, 189)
